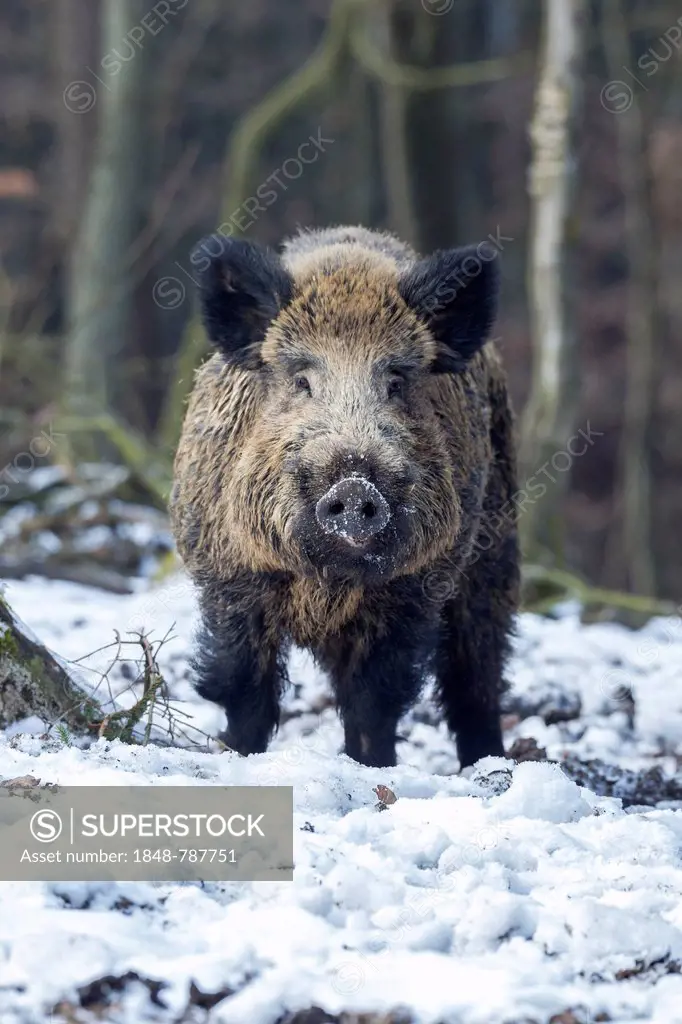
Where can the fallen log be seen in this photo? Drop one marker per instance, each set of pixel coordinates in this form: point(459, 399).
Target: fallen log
point(33, 682)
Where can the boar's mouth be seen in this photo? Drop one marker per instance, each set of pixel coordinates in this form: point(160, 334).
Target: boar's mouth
point(356, 564)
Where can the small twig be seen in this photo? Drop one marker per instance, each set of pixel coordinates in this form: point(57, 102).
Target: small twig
point(152, 681)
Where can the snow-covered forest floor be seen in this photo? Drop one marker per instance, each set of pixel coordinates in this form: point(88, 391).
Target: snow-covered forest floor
point(509, 895)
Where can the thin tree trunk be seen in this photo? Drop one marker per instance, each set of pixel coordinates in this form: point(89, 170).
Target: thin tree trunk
point(74, 33)
point(400, 214)
point(636, 556)
point(101, 286)
point(549, 417)
point(429, 137)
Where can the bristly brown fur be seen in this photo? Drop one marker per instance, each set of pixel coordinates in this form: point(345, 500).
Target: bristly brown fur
point(253, 450)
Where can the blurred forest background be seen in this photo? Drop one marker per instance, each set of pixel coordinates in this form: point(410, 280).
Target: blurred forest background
point(128, 129)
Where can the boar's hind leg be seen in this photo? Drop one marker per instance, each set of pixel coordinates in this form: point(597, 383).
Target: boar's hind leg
point(472, 652)
point(238, 667)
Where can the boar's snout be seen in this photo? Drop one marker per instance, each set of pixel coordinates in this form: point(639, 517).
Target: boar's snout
point(353, 510)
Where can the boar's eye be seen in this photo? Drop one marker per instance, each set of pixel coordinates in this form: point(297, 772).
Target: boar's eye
point(396, 387)
point(302, 384)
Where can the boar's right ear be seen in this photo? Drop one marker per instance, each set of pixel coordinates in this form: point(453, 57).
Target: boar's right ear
point(242, 288)
point(455, 293)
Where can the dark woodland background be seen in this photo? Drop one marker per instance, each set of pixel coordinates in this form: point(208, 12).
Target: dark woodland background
point(129, 129)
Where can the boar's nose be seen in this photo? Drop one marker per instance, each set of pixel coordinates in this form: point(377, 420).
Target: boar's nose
point(353, 509)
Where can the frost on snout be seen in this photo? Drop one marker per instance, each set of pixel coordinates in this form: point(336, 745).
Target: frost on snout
point(353, 510)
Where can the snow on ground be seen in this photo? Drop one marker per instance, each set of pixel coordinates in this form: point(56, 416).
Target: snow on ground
point(509, 895)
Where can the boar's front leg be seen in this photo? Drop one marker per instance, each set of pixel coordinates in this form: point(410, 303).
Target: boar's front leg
point(377, 677)
point(239, 666)
point(473, 650)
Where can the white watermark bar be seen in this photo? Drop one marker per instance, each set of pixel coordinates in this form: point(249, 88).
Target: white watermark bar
point(146, 833)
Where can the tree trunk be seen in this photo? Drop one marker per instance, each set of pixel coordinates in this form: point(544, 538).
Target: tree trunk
point(101, 279)
point(32, 680)
point(636, 556)
point(549, 417)
point(400, 214)
point(429, 155)
point(74, 27)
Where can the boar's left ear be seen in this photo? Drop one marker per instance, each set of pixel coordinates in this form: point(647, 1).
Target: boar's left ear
point(242, 288)
point(455, 292)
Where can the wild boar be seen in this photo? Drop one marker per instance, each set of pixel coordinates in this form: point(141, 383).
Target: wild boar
point(345, 482)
